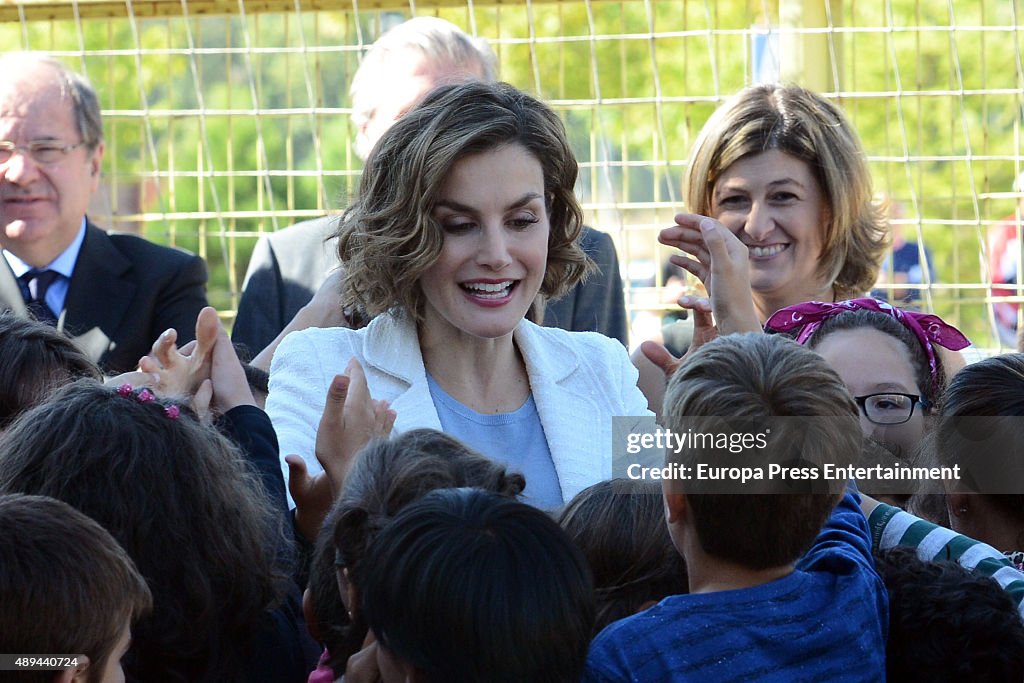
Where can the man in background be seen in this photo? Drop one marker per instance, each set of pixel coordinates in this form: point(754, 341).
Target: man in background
point(113, 295)
point(1004, 268)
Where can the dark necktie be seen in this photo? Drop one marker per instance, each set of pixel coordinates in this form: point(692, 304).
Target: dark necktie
point(37, 282)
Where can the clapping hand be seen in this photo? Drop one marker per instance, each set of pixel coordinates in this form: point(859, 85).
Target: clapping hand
point(720, 258)
point(205, 372)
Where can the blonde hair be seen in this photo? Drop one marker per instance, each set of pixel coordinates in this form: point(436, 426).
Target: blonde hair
point(804, 125)
point(389, 237)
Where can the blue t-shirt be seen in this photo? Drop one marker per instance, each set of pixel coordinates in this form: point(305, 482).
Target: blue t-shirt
point(514, 439)
point(827, 621)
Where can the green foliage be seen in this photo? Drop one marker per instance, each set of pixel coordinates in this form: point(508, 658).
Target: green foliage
point(231, 126)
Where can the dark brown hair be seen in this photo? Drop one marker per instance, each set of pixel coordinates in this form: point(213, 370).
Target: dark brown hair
point(984, 402)
point(66, 586)
point(466, 585)
point(389, 237)
point(35, 359)
point(182, 502)
point(620, 527)
point(389, 475)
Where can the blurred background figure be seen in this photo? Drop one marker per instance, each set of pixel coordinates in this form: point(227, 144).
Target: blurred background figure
point(1003, 267)
point(904, 266)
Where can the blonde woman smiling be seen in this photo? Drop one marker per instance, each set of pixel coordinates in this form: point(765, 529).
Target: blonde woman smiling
point(781, 168)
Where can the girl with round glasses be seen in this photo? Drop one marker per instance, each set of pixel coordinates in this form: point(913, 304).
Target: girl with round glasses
point(888, 357)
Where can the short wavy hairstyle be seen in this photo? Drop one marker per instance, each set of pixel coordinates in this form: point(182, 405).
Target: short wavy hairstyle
point(389, 237)
point(804, 125)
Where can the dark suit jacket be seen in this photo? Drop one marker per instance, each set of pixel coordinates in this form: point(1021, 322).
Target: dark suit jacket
point(288, 266)
point(123, 293)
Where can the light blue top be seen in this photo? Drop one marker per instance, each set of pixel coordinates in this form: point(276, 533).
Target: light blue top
point(514, 439)
point(63, 264)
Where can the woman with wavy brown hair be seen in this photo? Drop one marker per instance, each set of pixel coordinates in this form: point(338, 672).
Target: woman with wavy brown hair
point(465, 217)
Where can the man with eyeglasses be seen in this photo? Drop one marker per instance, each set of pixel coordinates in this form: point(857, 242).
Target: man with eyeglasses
point(112, 294)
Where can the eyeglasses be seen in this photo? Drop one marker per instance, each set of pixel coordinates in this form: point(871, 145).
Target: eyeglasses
point(40, 151)
point(889, 408)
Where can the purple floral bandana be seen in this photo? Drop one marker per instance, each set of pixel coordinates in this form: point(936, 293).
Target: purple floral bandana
point(928, 328)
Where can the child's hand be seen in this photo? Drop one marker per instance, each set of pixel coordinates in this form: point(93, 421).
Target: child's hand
point(312, 496)
point(227, 377)
point(704, 330)
point(686, 236)
point(661, 357)
point(351, 418)
point(181, 371)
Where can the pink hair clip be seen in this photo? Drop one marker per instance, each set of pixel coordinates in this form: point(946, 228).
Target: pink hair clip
point(146, 396)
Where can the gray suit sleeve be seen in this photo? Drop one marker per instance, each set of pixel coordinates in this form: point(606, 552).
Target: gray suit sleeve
point(599, 304)
point(606, 294)
point(261, 308)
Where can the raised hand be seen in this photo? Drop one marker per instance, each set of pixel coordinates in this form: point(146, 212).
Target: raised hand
point(312, 496)
point(206, 372)
point(719, 257)
point(721, 263)
point(349, 420)
point(686, 237)
point(181, 372)
point(704, 330)
point(227, 376)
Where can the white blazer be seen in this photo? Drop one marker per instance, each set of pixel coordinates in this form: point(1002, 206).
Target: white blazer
point(579, 381)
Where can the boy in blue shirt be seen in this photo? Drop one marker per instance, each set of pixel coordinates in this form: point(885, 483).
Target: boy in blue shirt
point(782, 586)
